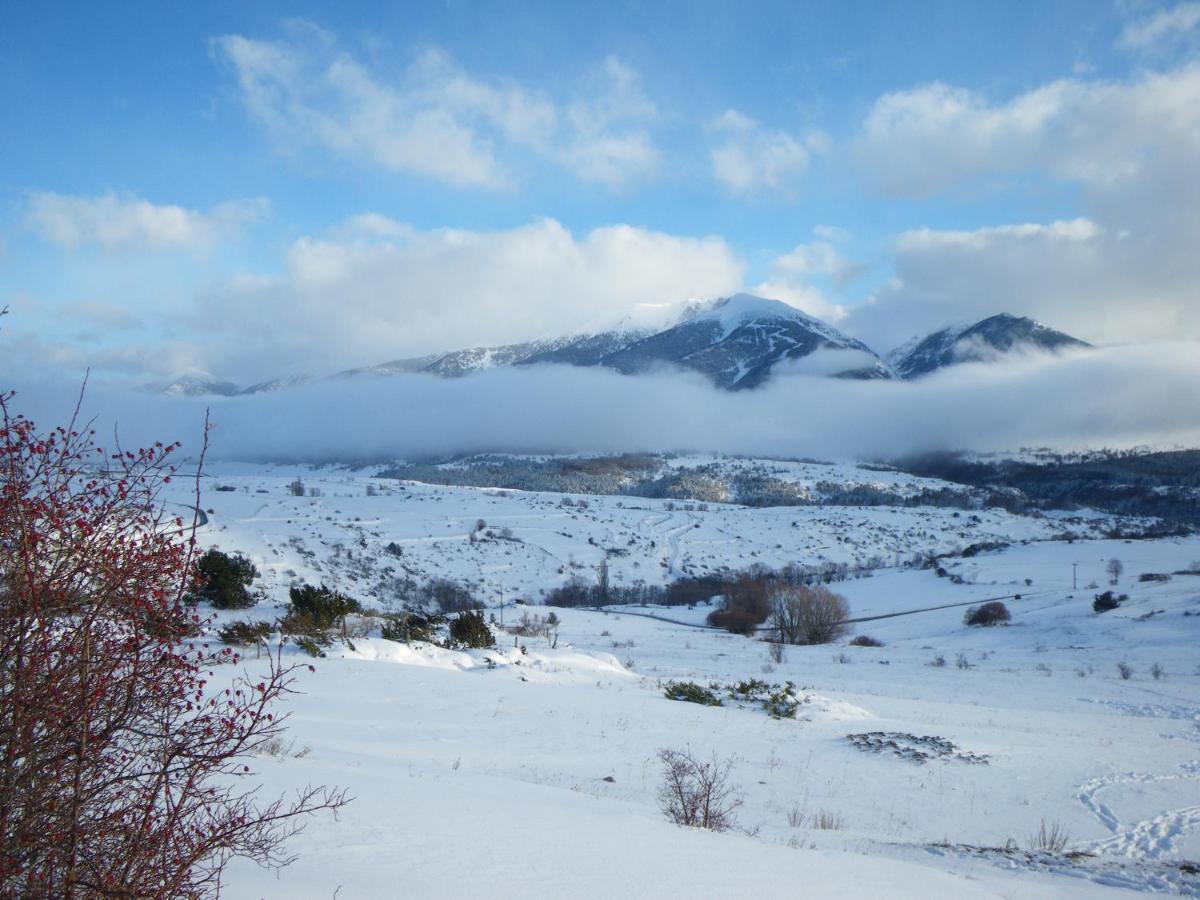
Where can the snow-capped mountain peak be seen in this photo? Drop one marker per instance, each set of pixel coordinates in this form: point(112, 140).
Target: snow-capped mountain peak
point(987, 339)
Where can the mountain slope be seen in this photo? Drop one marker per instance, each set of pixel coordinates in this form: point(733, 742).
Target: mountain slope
point(985, 340)
point(737, 341)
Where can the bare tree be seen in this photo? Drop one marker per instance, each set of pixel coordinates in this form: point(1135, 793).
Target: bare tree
point(1114, 568)
point(697, 793)
point(602, 583)
point(803, 614)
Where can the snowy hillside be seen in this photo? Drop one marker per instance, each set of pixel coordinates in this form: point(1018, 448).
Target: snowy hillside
point(909, 769)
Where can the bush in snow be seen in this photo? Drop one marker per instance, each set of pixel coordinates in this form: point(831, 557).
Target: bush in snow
point(1107, 601)
point(244, 633)
point(690, 692)
point(1052, 839)
point(537, 626)
point(744, 607)
point(226, 580)
point(448, 596)
point(1125, 670)
point(865, 641)
point(320, 607)
point(695, 793)
point(407, 626)
point(993, 613)
point(470, 630)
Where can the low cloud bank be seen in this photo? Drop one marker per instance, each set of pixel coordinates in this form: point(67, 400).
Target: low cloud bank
point(1113, 397)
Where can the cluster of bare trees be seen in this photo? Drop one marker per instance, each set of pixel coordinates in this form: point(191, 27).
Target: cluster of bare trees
point(804, 614)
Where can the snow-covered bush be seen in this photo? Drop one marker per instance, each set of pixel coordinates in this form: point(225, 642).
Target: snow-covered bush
point(695, 793)
point(987, 614)
point(408, 626)
point(863, 640)
point(690, 692)
point(1048, 839)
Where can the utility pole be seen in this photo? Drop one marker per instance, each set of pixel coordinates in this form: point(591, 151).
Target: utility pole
point(1074, 572)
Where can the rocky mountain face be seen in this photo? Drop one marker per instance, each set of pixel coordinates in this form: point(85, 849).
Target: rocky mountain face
point(984, 341)
point(736, 342)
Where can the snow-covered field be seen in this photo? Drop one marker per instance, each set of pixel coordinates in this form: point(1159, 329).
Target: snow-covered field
point(535, 541)
point(536, 774)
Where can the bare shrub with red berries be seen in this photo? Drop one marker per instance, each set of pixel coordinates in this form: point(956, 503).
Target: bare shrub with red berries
point(122, 770)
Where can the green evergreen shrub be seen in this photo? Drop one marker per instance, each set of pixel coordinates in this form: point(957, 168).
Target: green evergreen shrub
point(225, 580)
point(470, 630)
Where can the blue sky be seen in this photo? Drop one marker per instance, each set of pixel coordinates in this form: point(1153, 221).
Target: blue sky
point(252, 189)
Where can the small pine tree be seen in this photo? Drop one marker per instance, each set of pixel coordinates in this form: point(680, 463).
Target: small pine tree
point(470, 630)
point(226, 580)
point(322, 607)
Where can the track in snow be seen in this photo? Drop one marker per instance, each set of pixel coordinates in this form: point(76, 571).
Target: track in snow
point(1158, 836)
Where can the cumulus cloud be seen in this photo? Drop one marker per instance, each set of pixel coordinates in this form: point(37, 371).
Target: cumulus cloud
point(375, 290)
point(114, 221)
point(922, 141)
point(794, 274)
point(435, 119)
point(1124, 270)
point(1073, 275)
point(1112, 397)
point(749, 157)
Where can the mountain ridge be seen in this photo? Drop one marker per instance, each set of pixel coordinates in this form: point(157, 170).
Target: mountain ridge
point(737, 342)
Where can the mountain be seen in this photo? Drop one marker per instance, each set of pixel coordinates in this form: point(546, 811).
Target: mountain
point(276, 384)
point(199, 386)
point(737, 341)
point(985, 340)
point(734, 341)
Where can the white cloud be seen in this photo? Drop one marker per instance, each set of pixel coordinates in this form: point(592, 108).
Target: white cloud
point(1100, 133)
point(1112, 397)
point(374, 290)
point(611, 143)
point(796, 275)
point(1098, 285)
point(124, 221)
point(750, 157)
point(1125, 269)
point(436, 120)
point(1163, 25)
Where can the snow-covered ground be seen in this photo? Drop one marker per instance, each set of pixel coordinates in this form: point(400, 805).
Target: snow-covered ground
point(535, 774)
point(535, 541)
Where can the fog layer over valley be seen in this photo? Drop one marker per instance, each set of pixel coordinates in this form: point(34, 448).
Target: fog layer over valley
point(1119, 396)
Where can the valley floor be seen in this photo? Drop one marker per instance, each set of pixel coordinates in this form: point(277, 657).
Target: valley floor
point(535, 774)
